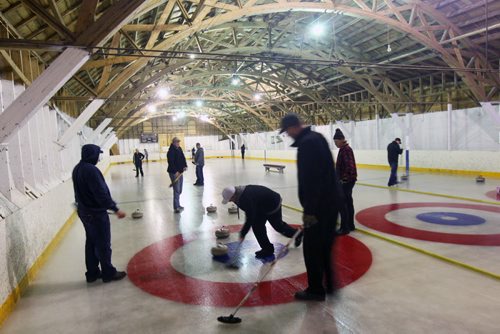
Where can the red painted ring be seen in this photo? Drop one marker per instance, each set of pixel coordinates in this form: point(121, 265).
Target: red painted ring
point(151, 270)
point(374, 218)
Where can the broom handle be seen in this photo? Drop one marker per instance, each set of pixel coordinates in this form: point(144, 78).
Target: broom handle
point(175, 180)
point(256, 284)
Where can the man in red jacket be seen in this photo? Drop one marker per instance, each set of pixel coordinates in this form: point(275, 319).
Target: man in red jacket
point(347, 175)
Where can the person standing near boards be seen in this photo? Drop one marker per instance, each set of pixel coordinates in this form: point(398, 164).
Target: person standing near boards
point(146, 155)
point(243, 148)
point(319, 199)
point(93, 199)
point(199, 161)
point(393, 152)
point(347, 175)
point(138, 157)
point(176, 167)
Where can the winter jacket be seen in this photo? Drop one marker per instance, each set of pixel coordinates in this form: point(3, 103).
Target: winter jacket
point(91, 192)
point(346, 165)
point(176, 160)
point(137, 158)
point(257, 201)
point(393, 152)
point(316, 174)
point(199, 157)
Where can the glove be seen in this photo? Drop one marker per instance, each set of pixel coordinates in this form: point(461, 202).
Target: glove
point(309, 220)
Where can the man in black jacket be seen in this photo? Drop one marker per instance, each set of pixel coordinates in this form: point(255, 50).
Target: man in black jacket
point(137, 158)
point(393, 152)
point(319, 199)
point(260, 204)
point(93, 199)
point(176, 167)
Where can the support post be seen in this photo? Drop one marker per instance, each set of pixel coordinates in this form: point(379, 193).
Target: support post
point(40, 91)
point(79, 123)
point(449, 129)
point(95, 135)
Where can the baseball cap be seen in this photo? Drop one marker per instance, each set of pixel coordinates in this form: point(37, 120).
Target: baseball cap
point(289, 121)
point(227, 194)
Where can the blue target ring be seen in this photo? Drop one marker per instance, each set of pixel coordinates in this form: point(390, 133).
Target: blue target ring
point(450, 218)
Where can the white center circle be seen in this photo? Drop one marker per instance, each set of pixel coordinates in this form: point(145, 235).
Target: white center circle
point(195, 260)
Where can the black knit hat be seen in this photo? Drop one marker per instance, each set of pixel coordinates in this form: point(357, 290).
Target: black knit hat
point(338, 135)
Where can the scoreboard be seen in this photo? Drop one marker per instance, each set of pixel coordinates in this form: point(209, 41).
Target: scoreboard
point(149, 138)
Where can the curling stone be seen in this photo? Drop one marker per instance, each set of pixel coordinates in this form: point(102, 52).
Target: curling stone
point(222, 232)
point(219, 250)
point(405, 177)
point(137, 214)
point(232, 210)
point(480, 179)
point(211, 208)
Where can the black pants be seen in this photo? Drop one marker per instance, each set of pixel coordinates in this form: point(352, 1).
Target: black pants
point(242, 155)
point(137, 169)
point(199, 175)
point(393, 179)
point(317, 245)
point(347, 209)
point(276, 221)
point(97, 244)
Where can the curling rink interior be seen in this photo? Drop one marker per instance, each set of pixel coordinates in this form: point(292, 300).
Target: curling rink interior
point(175, 286)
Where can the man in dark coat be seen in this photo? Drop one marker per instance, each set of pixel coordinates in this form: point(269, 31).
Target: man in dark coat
point(93, 199)
point(137, 158)
point(243, 149)
point(393, 152)
point(176, 167)
point(260, 204)
point(318, 197)
point(347, 175)
point(199, 161)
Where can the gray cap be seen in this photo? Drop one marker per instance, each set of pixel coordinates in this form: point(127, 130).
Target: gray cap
point(289, 121)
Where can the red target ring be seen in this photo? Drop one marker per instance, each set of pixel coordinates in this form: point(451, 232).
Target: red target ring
point(152, 271)
point(374, 218)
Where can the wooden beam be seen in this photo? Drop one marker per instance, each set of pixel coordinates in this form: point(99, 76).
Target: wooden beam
point(52, 22)
point(86, 16)
point(110, 22)
point(40, 91)
point(14, 67)
point(78, 124)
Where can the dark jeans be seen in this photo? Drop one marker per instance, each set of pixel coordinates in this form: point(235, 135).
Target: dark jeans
point(393, 179)
point(318, 243)
point(138, 168)
point(97, 244)
point(347, 210)
point(242, 154)
point(199, 175)
point(276, 221)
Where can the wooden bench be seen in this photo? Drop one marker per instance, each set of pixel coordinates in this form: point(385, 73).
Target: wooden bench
point(279, 168)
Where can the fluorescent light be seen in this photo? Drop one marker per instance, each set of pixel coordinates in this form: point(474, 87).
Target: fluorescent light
point(151, 108)
point(199, 103)
point(162, 92)
point(192, 56)
point(318, 29)
point(257, 96)
point(235, 81)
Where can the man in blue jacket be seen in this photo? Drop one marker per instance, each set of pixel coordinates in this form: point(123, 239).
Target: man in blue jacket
point(93, 199)
point(319, 198)
point(199, 161)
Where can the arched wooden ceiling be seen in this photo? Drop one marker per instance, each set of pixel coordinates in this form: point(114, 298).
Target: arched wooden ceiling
point(268, 45)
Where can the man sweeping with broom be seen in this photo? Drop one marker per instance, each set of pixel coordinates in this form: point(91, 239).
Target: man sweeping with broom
point(260, 205)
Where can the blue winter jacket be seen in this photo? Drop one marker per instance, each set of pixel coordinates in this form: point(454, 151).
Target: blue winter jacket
point(91, 192)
